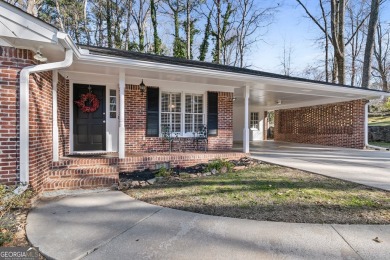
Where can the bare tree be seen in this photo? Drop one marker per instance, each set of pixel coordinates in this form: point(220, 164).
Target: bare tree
point(252, 18)
point(356, 11)
point(370, 42)
point(381, 64)
point(285, 59)
point(140, 15)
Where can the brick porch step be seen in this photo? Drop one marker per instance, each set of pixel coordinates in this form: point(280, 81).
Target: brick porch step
point(67, 162)
point(83, 171)
point(80, 182)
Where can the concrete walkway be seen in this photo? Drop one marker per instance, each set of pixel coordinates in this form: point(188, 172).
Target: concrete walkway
point(111, 225)
point(366, 167)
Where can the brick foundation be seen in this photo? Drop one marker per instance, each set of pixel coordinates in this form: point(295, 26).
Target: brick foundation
point(339, 124)
point(135, 123)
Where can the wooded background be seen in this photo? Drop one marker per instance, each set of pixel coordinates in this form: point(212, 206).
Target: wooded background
point(355, 39)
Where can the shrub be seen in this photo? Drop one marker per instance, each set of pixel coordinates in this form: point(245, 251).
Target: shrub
point(163, 172)
point(218, 165)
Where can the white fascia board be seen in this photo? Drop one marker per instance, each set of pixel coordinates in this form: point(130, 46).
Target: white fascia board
point(146, 65)
point(308, 103)
point(18, 24)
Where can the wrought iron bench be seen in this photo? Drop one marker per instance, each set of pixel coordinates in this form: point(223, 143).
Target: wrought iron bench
point(201, 136)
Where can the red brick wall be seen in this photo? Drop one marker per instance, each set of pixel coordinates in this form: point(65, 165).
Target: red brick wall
point(63, 115)
point(339, 124)
point(224, 140)
point(40, 109)
point(135, 124)
point(41, 131)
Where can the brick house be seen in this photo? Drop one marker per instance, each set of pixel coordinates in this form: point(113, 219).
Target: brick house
point(86, 100)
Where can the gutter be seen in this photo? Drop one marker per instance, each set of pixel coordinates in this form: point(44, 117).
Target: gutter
point(24, 113)
point(366, 144)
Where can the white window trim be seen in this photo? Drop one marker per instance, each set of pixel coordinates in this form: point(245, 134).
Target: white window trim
point(183, 93)
point(251, 120)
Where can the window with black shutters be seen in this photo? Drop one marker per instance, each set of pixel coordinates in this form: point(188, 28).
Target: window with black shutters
point(152, 112)
point(212, 113)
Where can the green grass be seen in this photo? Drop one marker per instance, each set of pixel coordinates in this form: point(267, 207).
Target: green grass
point(272, 193)
point(379, 121)
point(380, 144)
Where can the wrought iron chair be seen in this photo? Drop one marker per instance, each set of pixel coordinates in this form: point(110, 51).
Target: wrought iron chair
point(170, 137)
point(201, 136)
point(167, 135)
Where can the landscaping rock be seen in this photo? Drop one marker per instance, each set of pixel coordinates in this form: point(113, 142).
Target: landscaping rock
point(193, 175)
point(151, 181)
point(224, 170)
point(143, 183)
point(214, 171)
point(115, 186)
point(207, 173)
point(159, 179)
point(379, 133)
point(134, 183)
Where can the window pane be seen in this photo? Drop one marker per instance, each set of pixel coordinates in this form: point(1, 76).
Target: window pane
point(198, 121)
point(198, 104)
point(175, 102)
point(188, 103)
point(176, 122)
point(188, 123)
point(164, 102)
point(113, 92)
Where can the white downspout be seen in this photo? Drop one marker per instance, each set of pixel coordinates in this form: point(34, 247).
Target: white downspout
point(24, 110)
point(366, 144)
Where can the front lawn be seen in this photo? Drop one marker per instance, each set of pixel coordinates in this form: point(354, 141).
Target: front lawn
point(273, 193)
point(380, 144)
point(379, 121)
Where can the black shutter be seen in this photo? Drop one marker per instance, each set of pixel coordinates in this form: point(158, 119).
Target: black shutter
point(152, 112)
point(212, 113)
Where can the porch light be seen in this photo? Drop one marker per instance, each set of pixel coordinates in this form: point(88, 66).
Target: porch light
point(142, 86)
point(39, 57)
point(234, 99)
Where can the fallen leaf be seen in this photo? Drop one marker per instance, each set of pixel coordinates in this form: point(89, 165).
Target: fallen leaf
point(377, 240)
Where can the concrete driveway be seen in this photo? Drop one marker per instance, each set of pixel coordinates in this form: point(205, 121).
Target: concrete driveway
point(366, 167)
point(111, 225)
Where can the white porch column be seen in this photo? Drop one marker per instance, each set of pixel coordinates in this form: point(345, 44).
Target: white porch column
point(246, 121)
point(55, 117)
point(121, 138)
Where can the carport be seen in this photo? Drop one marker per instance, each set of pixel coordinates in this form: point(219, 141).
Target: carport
point(306, 111)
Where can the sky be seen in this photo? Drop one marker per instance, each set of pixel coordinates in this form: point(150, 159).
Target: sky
point(291, 26)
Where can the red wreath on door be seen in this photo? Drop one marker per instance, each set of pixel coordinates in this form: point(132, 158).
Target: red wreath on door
point(91, 100)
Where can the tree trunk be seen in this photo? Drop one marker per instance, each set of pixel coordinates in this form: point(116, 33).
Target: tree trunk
point(188, 29)
point(370, 43)
point(218, 49)
point(326, 42)
point(109, 25)
point(157, 41)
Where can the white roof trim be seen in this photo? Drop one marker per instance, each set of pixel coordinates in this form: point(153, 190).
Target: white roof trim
point(250, 79)
point(14, 23)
